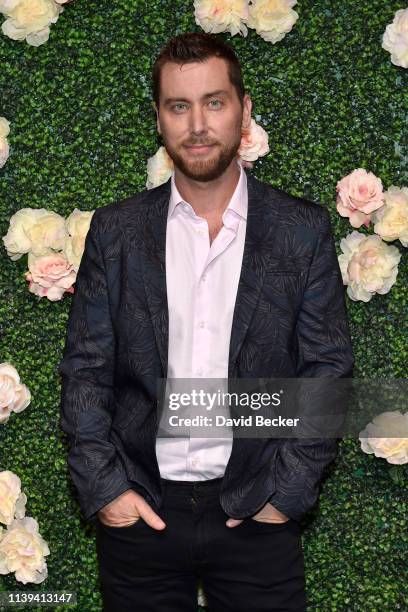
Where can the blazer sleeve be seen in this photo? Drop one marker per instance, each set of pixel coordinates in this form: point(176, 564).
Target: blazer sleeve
point(324, 350)
point(87, 391)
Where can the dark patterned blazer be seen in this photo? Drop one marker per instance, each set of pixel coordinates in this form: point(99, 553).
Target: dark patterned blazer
point(289, 321)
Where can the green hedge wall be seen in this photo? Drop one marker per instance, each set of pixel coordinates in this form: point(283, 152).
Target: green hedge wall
point(82, 128)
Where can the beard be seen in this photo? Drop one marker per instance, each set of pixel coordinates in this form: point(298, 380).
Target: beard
point(213, 166)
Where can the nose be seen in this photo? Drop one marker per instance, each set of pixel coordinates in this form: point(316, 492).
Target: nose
point(198, 124)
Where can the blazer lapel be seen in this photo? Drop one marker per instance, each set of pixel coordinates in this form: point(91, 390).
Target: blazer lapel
point(254, 266)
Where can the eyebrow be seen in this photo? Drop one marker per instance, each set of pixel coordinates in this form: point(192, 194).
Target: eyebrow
point(218, 92)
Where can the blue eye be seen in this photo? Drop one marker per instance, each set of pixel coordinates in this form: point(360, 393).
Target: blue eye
point(179, 104)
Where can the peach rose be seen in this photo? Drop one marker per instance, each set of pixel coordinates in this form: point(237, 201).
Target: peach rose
point(14, 395)
point(50, 276)
point(29, 19)
point(12, 500)
point(22, 550)
point(36, 230)
point(254, 142)
point(272, 19)
point(222, 16)
point(77, 225)
point(159, 168)
point(368, 265)
point(391, 220)
point(387, 437)
point(395, 38)
point(358, 195)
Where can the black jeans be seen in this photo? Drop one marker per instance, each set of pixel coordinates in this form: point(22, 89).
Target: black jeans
point(253, 567)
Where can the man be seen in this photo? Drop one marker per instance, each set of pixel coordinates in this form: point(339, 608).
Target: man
point(213, 274)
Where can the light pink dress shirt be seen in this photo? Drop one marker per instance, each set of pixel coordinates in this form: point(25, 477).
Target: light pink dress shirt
point(202, 283)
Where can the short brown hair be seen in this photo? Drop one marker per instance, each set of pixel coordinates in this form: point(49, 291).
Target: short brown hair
point(197, 47)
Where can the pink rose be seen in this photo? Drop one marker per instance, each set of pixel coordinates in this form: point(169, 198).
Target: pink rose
point(50, 276)
point(254, 142)
point(358, 195)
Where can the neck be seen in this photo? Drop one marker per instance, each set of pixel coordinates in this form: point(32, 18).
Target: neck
point(208, 197)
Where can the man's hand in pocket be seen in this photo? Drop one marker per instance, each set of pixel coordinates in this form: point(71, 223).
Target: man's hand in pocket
point(128, 508)
point(267, 514)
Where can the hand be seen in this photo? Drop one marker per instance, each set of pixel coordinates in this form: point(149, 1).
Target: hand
point(267, 514)
point(126, 509)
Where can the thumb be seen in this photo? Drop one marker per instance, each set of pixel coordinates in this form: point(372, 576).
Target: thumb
point(149, 515)
point(233, 522)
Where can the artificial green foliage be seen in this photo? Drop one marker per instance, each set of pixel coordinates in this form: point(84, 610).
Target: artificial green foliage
point(82, 128)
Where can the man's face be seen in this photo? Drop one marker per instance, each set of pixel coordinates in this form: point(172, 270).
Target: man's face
point(200, 106)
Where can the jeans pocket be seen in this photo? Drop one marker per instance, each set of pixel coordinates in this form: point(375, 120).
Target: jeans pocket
point(120, 528)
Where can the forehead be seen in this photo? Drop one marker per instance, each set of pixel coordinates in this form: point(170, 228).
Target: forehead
point(195, 78)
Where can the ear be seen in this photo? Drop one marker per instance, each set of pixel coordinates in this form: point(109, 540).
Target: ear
point(157, 117)
point(246, 111)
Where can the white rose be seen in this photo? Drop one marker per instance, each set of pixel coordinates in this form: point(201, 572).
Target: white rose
point(391, 221)
point(77, 225)
point(254, 142)
point(22, 550)
point(368, 265)
point(272, 19)
point(395, 38)
point(29, 19)
point(159, 168)
point(216, 16)
point(35, 230)
point(387, 437)
point(14, 395)
point(12, 500)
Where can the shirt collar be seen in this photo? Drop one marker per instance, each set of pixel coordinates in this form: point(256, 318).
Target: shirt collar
point(238, 202)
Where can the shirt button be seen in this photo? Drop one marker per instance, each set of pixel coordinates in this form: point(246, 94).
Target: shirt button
point(203, 278)
point(201, 324)
point(194, 462)
point(200, 371)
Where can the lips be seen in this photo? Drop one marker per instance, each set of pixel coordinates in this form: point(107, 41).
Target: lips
point(199, 148)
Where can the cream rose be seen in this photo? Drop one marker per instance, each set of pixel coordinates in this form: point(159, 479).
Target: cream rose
point(387, 437)
point(395, 38)
point(159, 168)
point(29, 19)
point(34, 230)
point(4, 127)
point(358, 195)
point(4, 145)
point(22, 550)
point(368, 265)
point(4, 151)
point(12, 499)
point(14, 395)
point(391, 220)
point(272, 19)
point(50, 276)
point(254, 142)
point(77, 225)
point(222, 16)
